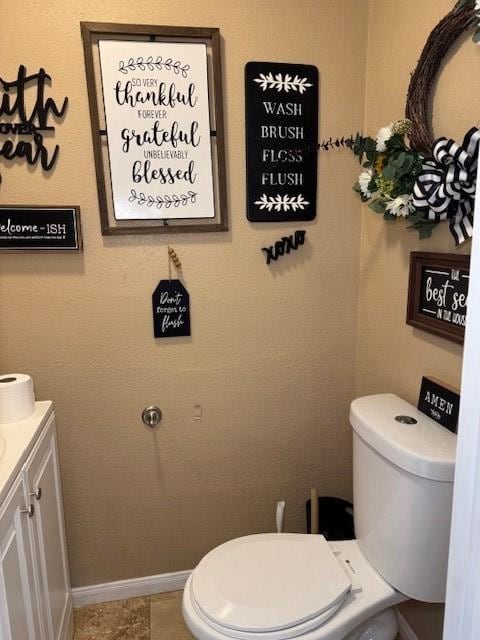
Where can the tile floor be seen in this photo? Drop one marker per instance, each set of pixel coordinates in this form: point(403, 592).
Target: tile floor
point(157, 617)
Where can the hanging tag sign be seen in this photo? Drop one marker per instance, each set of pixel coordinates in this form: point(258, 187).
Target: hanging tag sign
point(171, 310)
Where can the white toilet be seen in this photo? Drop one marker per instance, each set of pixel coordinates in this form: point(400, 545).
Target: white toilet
point(280, 586)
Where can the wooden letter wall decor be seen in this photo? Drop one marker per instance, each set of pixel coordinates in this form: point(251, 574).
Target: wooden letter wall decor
point(27, 117)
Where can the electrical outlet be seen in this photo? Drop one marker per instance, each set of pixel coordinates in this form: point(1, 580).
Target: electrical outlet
point(197, 413)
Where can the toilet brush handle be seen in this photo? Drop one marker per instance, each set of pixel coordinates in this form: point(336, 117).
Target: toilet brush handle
point(313, 511)
point(280, 515)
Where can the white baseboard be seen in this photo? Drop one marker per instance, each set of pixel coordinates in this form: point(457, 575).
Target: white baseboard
point(123, 589)
point(405, 631)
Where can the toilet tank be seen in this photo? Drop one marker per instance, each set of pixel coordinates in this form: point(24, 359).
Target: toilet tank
point(403, 484)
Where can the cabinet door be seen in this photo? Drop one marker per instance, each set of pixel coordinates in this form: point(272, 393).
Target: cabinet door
point(42, 476)
point(19, 617)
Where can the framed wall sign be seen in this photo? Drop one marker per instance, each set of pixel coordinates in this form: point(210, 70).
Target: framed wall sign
point(438, 293)
point(281, 104)
point(157, 125)
point(35, 228)
point(439, 401)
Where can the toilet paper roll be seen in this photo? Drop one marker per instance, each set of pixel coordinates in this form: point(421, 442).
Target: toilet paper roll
point(17, 398)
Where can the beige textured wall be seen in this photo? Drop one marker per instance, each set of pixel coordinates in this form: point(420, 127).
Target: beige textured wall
point(271, 357)
point(393, 356)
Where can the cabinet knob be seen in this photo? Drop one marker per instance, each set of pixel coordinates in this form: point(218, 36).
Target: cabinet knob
point(37, 494)
point(30, 510)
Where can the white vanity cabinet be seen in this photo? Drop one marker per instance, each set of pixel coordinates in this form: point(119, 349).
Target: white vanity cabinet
point(35, 598)
point(19, 611)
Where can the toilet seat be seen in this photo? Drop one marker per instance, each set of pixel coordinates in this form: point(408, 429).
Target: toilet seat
point(369, 595)
point(282, 634)
point(243, 588)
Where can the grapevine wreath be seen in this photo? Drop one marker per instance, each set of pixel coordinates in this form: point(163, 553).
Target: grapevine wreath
point(406, 173)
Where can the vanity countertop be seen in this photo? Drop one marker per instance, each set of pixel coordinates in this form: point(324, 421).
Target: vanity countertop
point(17, 440)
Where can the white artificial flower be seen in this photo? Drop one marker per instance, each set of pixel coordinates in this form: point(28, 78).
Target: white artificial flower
point(363, 181)
point(400, 206)
point(384, 134)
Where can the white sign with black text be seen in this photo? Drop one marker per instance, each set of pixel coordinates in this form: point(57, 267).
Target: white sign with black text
point(158, 129)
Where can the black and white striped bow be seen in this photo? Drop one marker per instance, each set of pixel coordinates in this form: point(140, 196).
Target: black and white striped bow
point(445, 187)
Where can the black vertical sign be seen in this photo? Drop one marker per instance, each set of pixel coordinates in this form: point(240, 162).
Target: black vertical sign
point(282, 137)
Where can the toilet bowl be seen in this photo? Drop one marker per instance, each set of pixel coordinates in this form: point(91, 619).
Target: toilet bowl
point(282, 586)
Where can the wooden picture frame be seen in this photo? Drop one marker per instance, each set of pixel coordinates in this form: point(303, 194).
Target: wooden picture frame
point(437, 293)
point(157, 212)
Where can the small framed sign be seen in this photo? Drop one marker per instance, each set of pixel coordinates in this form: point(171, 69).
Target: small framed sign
point(439, 402)
point(281, 135)
point(37, 228)
point(438, 293)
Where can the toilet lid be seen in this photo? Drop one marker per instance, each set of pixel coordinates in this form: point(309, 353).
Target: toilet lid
point(269, 582)
point(281, 634)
